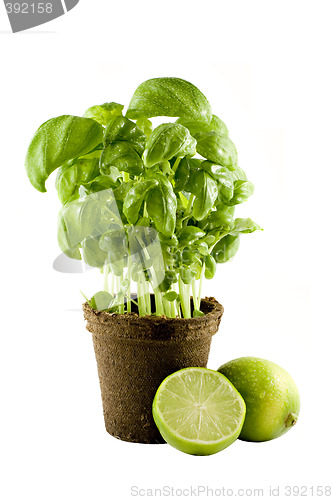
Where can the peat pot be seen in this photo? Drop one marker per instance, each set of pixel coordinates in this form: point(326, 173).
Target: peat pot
point(134, 354)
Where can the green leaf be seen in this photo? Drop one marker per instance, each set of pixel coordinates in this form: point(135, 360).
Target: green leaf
point(145, 125)
point(189, 234)
point(123, 156)
point(217, 148)
point(78, 220)
point(238, 174)
point(226, 248)
point(205, 190)
point(105, 112)
point(210, 267)
point(245, 226)
point(189, 256)
point(171, 296)
point(169, 97)
point(218, 219)
point(63, 240)
point(187, 275)
point(182, 174)
point(202, 247)
point(216, 125)
point(101, 182)
point(92, 253)
point(242, 191)
point(223, 177)
point(123, 129)
point(115, 244)
point(166, 141)
point(195, 166)
point(170, 277)
point(101, 301)
point(58, 141)
point(135, 197)
point(162, 206)
point(197, 314)
point(71, 176)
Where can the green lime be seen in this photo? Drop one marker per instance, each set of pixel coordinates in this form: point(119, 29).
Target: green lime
point(198, 411)
point(270, 394)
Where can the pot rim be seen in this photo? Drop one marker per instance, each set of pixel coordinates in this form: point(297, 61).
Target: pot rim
point(216, 308)
point(133, 326)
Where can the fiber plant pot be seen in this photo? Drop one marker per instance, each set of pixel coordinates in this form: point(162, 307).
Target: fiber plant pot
point(134, 354)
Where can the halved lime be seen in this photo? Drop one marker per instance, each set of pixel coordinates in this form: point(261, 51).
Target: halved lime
point(198, 411)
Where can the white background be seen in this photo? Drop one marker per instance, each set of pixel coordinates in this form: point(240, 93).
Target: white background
point(266, 69)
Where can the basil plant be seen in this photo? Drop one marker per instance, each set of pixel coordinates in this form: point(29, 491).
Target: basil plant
point(152, 208)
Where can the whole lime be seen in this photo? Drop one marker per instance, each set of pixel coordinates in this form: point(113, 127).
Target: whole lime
point(270, 394)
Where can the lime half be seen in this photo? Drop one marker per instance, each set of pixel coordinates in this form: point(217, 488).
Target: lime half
point(198, 411)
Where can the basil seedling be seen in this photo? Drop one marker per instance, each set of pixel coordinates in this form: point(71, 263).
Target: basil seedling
point(153, 207)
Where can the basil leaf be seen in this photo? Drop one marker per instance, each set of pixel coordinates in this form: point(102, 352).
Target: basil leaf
point(93, 255)
point(115, 243)
point(217, 220)
point(123, 129)
point(166, 141)
point(190, 234)
point(135, 197)
point(101, 301)
point(238, 174)
point(216, 125)
point(245, 226)
point(63, 240)
point(71, 176)
point(205, 190)
point(105, 112)
point(58, 141)
point(145, 125)
point(210, 267)
point(182, 174)
point(79, 219)
point(101, 183)
point(217, 148)
point(226, 248)
point(162, 206)
point(223, 177)
point(242, 191)
point(123, 156)
point(169, 97)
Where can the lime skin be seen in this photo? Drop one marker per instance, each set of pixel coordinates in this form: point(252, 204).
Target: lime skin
point(270, 394)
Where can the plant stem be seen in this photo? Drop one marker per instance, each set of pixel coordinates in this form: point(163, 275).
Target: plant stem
point(105, 274)
point(185, 298)
point(122, 305)
point(112, 283)
point(175, 166)
point(147, 297)
point(141, 301)
point(202, 274)
point(173, 304)
point(195, 297)
point(189, 205)
point(158, 302)
point(126, 176)
point(129, 299)
point(145, 213)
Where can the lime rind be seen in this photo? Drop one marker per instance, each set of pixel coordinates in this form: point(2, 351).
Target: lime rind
point(198, 411)
point(271, 396)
